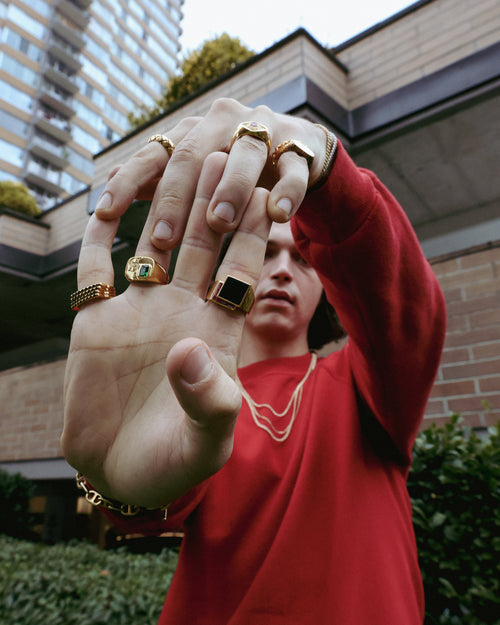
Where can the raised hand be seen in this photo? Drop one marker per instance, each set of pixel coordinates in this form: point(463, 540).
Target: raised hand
point(150, 397)
point(248, 164)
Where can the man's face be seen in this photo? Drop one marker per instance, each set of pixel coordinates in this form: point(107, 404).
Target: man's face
point(288, 291)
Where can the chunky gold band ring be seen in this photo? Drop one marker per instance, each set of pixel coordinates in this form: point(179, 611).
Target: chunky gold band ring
point(165, 142)
point(145, 269)
point(253, 129)
point(91, 293)
point(293, 145)
point(232, 294)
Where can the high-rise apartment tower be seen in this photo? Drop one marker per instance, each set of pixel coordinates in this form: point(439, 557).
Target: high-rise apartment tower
point(70, 72)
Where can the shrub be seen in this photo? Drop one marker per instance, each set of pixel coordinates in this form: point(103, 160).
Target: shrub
point(78, 584)
point(455, 489)
point(16, 196)
point(15, 493)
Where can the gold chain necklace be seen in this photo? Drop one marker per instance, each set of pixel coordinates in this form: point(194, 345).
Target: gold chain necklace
point(265, 423)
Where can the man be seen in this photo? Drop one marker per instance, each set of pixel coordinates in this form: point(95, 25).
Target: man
point(296, 511)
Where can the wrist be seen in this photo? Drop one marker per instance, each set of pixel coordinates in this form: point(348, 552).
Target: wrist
point(97, 499)
point(323, 164)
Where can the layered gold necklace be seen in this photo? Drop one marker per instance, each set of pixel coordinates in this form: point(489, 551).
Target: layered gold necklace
point(293, 405)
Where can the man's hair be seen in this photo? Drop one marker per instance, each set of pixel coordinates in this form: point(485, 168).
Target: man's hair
point(324, 326)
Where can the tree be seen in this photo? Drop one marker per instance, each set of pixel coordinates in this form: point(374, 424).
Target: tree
point(212, 59)
point(16, 196)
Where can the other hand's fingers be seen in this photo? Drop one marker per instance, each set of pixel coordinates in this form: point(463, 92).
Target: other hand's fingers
point(288, 193)
point(176, 190)
point(137, 177)
point(236, 187)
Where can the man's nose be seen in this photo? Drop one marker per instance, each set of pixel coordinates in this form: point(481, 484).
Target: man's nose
point(282, 269)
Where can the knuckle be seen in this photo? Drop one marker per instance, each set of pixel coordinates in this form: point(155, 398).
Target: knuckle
point(262, 111)
point(187, 150)
point(223, 105)
point(240, 181)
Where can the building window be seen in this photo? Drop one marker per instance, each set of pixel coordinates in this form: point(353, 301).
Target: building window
point(18, 70)
point(11, 153)
point(22, 100)
point(29, 24)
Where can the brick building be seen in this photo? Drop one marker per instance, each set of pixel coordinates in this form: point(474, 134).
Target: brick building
point(415, 98)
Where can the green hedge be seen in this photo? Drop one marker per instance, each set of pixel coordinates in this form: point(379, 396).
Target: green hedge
point(79, 584)
point(455, 489)
point(15, 494)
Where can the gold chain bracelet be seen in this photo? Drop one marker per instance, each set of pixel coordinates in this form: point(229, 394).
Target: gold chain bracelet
point(125, 509)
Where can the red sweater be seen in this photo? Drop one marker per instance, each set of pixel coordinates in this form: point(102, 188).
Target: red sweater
point(317, 530)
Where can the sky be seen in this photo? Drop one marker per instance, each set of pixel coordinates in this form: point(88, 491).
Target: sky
point(261, 23)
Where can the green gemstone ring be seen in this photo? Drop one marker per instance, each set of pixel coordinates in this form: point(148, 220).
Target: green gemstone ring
point(145, 269)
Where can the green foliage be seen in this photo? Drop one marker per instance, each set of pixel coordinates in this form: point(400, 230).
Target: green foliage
point(15, 494)
point(79, 584)
point(455, 489)
point(16, 196)
point(212, 59)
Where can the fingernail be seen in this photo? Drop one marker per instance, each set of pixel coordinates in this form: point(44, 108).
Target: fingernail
point(196, 366)
point(225, 211)
point(162, 230)
point(104, 202)
point(285, 204)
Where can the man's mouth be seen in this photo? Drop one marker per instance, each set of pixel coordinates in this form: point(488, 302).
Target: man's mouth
point(278, 295)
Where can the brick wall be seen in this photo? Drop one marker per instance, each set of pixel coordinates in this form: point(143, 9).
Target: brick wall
point(422, 42)
point(469, 377)
point(31, 411)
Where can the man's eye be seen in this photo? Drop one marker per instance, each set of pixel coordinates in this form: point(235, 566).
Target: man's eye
point(301, 261)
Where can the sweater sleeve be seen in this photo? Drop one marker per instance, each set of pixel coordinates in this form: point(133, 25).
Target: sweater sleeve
point(358, 238)
point(156, 522)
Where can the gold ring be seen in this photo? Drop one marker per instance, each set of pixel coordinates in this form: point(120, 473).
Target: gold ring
point(293, 145)
point(165, 142)
point(145, 269)
point(253, 129)
point(91, 294)
point(232, 294)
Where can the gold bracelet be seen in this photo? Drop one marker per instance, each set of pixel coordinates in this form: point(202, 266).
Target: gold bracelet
point(330, 154)
point(125, 509)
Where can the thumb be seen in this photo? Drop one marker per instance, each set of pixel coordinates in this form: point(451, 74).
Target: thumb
point(209, 396)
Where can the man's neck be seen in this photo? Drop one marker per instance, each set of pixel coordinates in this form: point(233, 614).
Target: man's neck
point(256, 348)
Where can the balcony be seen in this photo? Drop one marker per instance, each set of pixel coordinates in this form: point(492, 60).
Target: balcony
point(56, 98)
point(63, 28)
point(44, 177)
point(63, 51)
point(83, 4)
point(43, 199)
point(56, 72)
point(53, 125)
point(54, 153)
point(74, 13)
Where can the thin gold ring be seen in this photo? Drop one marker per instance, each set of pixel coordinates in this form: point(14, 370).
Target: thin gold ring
point(164, 141)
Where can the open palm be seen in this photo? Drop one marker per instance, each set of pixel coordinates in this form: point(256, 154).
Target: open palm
point(149, 410)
